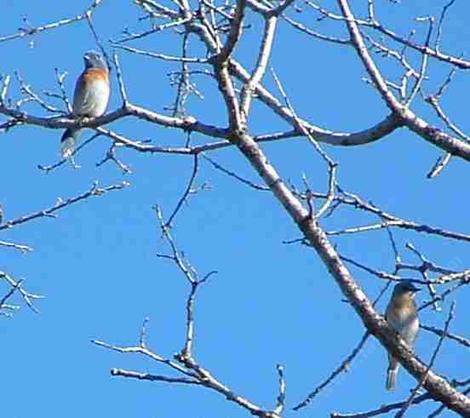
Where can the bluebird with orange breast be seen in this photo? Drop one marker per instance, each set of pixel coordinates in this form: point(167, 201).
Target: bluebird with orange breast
point(90, 97)
point(402, 316)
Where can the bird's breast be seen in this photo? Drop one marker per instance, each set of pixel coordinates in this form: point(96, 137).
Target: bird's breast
point(403, 318)
point(91, 93)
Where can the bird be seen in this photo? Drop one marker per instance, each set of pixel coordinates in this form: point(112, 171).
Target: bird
point(401, 314)
point(90, 97)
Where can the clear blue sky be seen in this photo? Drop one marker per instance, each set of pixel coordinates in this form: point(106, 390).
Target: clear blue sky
point(270, 303)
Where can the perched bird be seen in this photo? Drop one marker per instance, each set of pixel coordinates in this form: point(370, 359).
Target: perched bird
point(90, 97)
point(402, 316)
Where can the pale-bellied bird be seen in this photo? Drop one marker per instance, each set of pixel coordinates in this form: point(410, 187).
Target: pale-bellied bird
point(90, 97)
point(402, 316)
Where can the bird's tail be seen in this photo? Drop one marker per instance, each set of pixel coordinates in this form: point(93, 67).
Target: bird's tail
point(392, 372)
point(68, 141)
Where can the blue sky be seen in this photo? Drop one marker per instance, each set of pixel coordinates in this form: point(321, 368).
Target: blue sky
point(270, 303)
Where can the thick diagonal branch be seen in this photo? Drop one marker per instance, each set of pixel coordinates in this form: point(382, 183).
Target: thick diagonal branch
point(438, 387)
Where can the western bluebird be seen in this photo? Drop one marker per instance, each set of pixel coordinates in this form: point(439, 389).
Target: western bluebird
point(402, 316)
point(90, 97)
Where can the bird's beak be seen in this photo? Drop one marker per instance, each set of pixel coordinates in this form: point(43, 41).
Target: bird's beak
point(415, 289)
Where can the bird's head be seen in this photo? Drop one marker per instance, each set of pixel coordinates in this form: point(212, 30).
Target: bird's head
point(405, 288)
point(94, 60)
